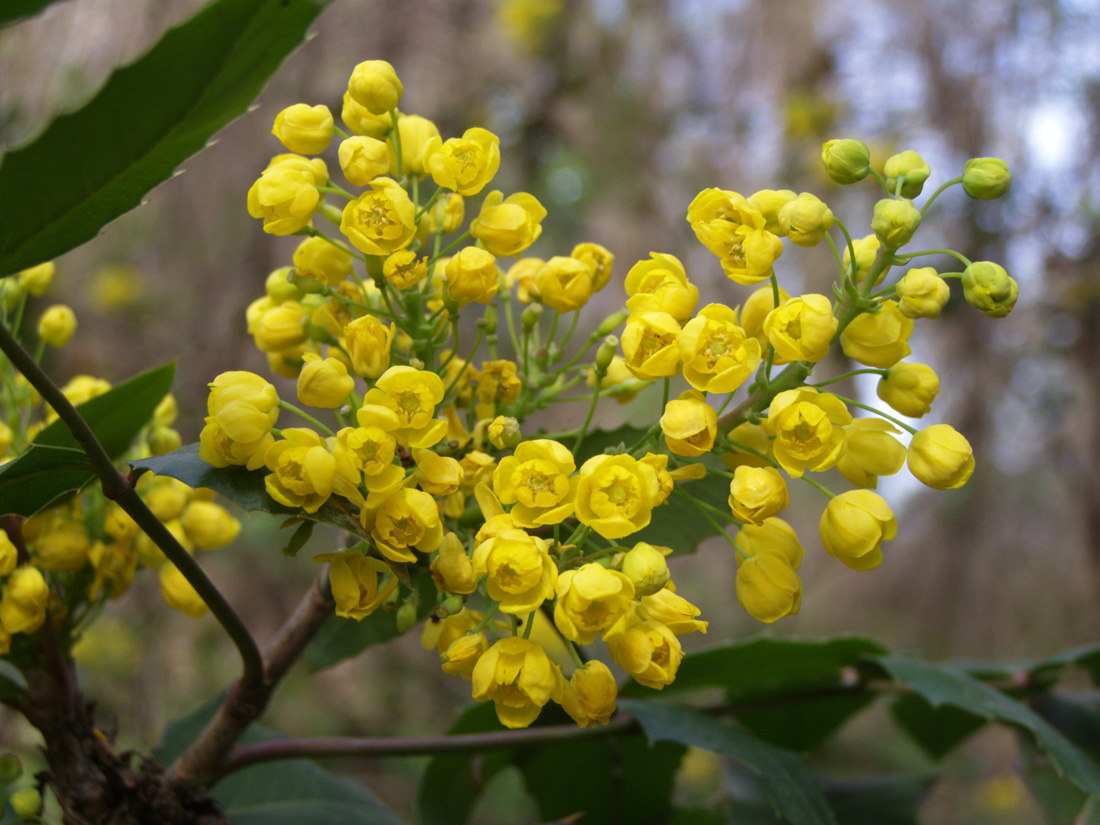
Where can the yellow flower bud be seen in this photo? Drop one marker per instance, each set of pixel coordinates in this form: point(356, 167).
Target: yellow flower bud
point(462, 656)
point(806, 219)
point(8, 554)
point(913, 167)
point(209, 525)
point(57, 325)
point(661, 285)
point(651, 345)
point(279, 288)
point(768, 588)
point(671, 610)
point(416, 133)
point(986, 178)
point(689, 424)
point(503, 432)
point(437, 474)
point(718, 355)
point(564, 284)
point(895, 221)
point(989, 289)
point(878, 339)
point(409, 518)
point(380, 221)
point(769, 202)
point(36, 280)
point(595, 690)
point(853, 527)
point(355, 579)
point(646, 568)
point(910, 388)
point(773, 535)
point(598, 260)
point(464, 165)
point(374, 86)
point(648, 651)
point(64, 547)
point(922, 293)
point(808, 428)
point(802, 328)
point(281, 327)
point(24, 600)
point(452, 570)
point(305, 130)
point(178, 592)
point(362, 159)
point(870, 452)
point(285, 195)
point(591, 599)
point(616, 495)
point(846, 160)
point(941, 457)
point(362, 122)
point(447, 214)
point(755, 311)
point(368, 342)
point(757, 493)
point(518, 677)
point(867, 249)
point(323, 382)
point(472, 275)
point(507, 227)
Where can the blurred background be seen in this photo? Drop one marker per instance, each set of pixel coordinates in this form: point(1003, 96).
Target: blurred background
point(615, 115)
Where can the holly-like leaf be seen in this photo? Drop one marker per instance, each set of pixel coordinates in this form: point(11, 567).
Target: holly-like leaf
point(39, 476)
point(148, 118)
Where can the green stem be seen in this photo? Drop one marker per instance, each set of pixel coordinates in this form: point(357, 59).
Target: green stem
point(820, 487)
point(443, 253)
point(333, 189)
point(461, 372)
point(908, 256)
point(340, 132)
point(879, 413)
point(937, 193)
point(721, 530)
point(492, 611)
point(576, 656)
point(849, 375)
point(592, 339)
point(591, 411)
point(664, 397)
point(286, 405)
point(568, 335)
point(836, 256)
point(428, 205)
point(314, 232)
point(530, 623)
point(881, 180)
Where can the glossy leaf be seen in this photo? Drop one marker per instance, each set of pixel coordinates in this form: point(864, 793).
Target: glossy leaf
point(148, 118)
point(800, 723)
point(938, 730)
point(40, 475)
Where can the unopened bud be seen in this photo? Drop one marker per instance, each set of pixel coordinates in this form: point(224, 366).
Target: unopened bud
point(531, 316)
point(490, 319)
point(416, 363)
point(504, 432)
point(986, 178)
point(278, 286)
point(989, 289)
point(332, 212)
point(406, 617)
point(10, 768)
point(846, 161)
point(452, 605)
point(306, 285)
point(606, 353)
point(164, 440)
point(26, 803)
point(611, 323)
point(913, 167)
point(895, 221)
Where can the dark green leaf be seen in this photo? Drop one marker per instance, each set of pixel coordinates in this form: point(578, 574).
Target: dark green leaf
point(40, 475)
point(939, 730)
point(698, 816)
point(118, 415)
point(1077, 716)
point(1061, 802)
point(945, 686)
point(290, 792)
point(340, 638)
point(795, 792)
point(12, 11)
point(244, 487)
point(878, 800)
point(148, 118)
point(298, 538)
point(800, 723)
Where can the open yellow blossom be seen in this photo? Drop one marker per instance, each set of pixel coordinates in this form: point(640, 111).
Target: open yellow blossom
point(498, 384)
point(537, 479)
point(354, 579)
point(808, 428)
point(878, 339)
point(910, 388)
point(870, 452)
point(564, 284)
point(647, 650)
point(412, 394)
point(464, 164)
point(368, 342)
point(380, 221)
point(404, 270)
point(768, 588)
point(689, 424)
point(437, 474)
point(661, 285)
point(671, 610)
point(757, 493)
point(219, 450)
point(728, 225)
point(802, 328)
point(304, 129)
point(407, 519)
point(478, 467)
point(718, 355)
point(518, 677)
point(598, 259)
point(616, 495)
point(853, 527)
point(519, 571)
point(472, 275)
point(452, 569)
point(368, 451)
point(773, 535)
point(507, 227)
point(591, 599)
point(302, 470)
point(651, 345)
point(941, 457)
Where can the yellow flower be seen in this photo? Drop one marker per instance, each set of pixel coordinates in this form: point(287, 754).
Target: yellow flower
point(478, 467)
point(665, 481)
point(753, 436)
point(870, 452)
point(415, 132)
point(374, 85)
point(412, 394)
point(362, 122)
point(846, 161)
point(404, 270)
point(867, 249)
point(63, 546)
point(285, 195)
point(302, 470)
point(647, 650)
point(369, 449)
point(773, 535)
point(591, 598)
point(437, 474)
point(507, 227)
point(671, 610)
point(362, 159)
point(219, 450)
point(616, 494)
point(303, 129)
point(281, 327)
point(114, 565)
point(536, 478)
point(243, 408)
point(646, 568)
point(941, 457)
point(805, 220)
point(368, 342)
point(895, 221)
point(178, 592)
point(802, 328)
point(518, 677)
point(589, 696)
point(8, 554)
point(519, 571)
point(380, 221)
point(661, 285)
point(728, 225)
point(910, 388)
point(718, 356)
point(36, 280)
point(757, 493)
point(853, 527)
point(325, 262)
point(323, 382)
point(462, 656)
point(447, 214)
point(808, 428)
point(769, 203)
point(564, 284)
point(464, 165)
point(354, 580)
point(689, 424)
point(922, 293)
point(522, 275)
point(651, 345)
point(598, 259)
point(472, 275)
point(166, 497)
point(452, 570)
point(24, 601)
point(768, 588)
point(441, 633)
point(879, 339)
point(756, 311)
point(209, 525)
point(57, 325)
point(498, 384)
point(408, 518)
